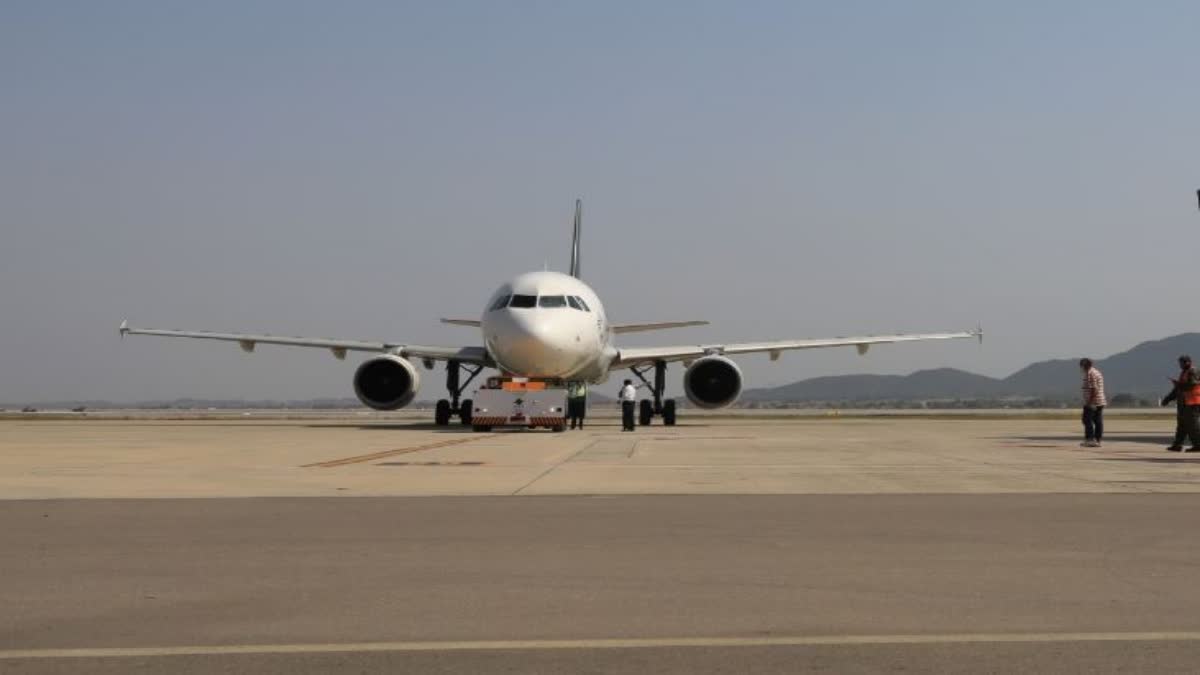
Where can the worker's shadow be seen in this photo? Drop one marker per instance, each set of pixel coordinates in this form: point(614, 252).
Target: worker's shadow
point(1115, 436)
point(1164, 458)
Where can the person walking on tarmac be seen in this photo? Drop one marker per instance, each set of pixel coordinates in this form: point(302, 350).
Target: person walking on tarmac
point(1093, 404)
point(628, 398)
point(576, 402)
point(1185, 391)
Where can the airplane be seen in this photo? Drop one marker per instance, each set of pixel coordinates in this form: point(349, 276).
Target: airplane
point(550, 325)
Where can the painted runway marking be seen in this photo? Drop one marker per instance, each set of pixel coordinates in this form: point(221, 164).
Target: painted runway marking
point(359, 459)
point(631, 643)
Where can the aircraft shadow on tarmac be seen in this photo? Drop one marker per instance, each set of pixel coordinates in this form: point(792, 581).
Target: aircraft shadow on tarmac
point(416, 426)
point(452, 429)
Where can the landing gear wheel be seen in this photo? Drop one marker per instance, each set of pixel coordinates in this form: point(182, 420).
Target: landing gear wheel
point(441, 413)
point(669, 412)
point(645, 412)
point(466, 411)
point(558, 428)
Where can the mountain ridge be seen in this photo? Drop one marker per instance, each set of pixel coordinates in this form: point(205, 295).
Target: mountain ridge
point(1140, 371)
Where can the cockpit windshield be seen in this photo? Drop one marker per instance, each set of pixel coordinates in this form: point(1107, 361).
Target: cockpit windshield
point(552, 301)
point(523, 301)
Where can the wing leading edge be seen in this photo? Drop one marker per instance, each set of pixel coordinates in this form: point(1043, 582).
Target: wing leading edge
point(247, 341)
point(660, 325)
point(628, 357)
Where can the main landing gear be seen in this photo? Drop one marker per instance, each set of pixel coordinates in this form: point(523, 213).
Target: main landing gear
point(454, 407)
point(647, 409)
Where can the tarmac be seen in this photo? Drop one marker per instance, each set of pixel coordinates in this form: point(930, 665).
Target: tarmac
point(306, 544)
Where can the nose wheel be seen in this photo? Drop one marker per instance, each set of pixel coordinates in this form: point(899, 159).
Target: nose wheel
point(665, 408)
point(456, 406)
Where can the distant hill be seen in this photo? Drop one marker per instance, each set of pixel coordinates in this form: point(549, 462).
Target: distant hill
point(923, 384)
point(1141, 372)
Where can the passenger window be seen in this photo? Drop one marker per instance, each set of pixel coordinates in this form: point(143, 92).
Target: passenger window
point(574, 302)
point(552, 301)
point(500, 303)
point(583, 304)
point(524, 301)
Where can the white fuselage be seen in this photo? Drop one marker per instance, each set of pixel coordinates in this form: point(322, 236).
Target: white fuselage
point(548, 324)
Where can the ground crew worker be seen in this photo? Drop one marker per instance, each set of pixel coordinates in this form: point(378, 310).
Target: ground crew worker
point(576, 402)
point(1093, 404)
point(628, 398)
point(1185, 391)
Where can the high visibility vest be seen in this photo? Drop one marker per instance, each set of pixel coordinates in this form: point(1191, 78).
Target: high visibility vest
point(1190, 395)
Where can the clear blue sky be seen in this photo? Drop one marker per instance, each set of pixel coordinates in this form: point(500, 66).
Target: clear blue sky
point(783, 169)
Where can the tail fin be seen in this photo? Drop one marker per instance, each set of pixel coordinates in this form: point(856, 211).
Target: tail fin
point(575, 238)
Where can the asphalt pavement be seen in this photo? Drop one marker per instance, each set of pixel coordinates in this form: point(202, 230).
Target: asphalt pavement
point(621, 584)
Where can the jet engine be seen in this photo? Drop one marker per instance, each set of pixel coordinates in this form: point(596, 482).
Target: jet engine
point(712, 382)
point(386, 382)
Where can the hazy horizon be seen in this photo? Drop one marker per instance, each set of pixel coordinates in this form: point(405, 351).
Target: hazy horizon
point(780, 169)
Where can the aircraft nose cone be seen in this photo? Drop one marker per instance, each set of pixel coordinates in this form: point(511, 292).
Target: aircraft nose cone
point(534, 347)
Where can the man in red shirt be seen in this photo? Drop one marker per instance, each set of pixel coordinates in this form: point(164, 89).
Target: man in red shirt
point(1093, 404)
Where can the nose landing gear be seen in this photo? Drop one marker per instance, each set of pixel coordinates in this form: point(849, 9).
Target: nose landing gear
point(463, 408)
point(663, 407)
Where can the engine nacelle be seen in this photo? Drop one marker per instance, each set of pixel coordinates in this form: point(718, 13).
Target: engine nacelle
point(712, 382)
point(386, 382)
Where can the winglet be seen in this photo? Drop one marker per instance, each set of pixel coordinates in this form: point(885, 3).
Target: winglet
point(979, 333)
point(124, 328)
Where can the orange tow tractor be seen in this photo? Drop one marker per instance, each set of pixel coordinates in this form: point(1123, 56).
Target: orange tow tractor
point(520, 402)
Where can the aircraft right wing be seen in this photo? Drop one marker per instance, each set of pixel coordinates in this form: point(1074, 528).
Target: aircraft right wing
point(247, 341)
point(638, 355)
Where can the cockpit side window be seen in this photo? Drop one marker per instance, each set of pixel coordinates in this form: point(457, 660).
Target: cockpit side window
point(523, 301)
point(552, 301)
point(583, 304)
point(574, 302)
point(500, 303)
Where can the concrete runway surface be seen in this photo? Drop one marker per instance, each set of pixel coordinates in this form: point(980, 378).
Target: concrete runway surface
point(723, 545)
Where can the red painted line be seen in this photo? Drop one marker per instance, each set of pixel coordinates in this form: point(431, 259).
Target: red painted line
point(358, 459)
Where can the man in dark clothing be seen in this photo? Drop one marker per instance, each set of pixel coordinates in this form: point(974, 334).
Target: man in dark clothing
point(1186, 394)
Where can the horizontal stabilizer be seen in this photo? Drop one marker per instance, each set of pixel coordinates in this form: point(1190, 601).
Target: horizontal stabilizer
point(662, 325)
point(473, 323)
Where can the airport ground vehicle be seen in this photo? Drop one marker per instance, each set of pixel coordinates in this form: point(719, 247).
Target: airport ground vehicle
point(519, 402)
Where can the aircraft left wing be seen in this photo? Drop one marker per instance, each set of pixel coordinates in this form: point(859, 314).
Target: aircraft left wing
point(475, 355)
point(638, 355)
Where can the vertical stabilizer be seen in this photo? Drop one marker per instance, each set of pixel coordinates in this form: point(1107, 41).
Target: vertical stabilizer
point(575, 238)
